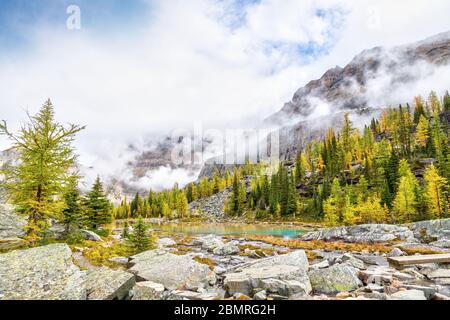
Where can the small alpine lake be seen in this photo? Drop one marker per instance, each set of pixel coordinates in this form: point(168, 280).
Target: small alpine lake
point(235, 229)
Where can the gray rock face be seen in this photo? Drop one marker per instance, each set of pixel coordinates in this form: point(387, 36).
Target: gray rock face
point(284, 274)
point(119, 260)
point(11, 224)
point(337, 278)
point(408, 295)
point(172, 271)
point(432, 230)
point(229, 248)
point(90, 235)
point(148, 290)
point(213, 206)
point(107, 284)
point(43, 273)
point(370, 233)
point(166, 242)
point(336, 86)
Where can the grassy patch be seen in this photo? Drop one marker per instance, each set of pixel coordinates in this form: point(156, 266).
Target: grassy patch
point(322, 245)
point(209, 262)
point(99, 253)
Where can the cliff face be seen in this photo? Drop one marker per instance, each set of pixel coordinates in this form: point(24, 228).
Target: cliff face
point(345, 88)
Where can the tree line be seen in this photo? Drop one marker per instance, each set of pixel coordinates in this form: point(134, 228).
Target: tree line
point(394, 170)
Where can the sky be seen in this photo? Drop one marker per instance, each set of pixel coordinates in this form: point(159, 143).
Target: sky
point(140, 68)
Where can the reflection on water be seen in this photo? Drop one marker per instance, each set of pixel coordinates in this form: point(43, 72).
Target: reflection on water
point(230, 229)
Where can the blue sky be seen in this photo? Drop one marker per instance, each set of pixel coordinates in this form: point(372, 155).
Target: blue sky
point(19, 17)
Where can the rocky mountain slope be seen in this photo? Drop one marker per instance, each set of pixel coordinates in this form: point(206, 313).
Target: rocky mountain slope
point(346, 88)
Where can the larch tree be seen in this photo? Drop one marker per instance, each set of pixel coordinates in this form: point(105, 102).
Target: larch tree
point(422, 132)
point(434, 192)
point(46, 156)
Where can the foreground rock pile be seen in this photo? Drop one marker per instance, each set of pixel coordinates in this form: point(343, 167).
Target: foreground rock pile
point(211, 267)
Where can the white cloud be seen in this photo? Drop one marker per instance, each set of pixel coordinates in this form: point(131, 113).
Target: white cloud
point(197, 60)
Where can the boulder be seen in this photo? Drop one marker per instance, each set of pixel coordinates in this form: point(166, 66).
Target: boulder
point(209, 243)
point(119, 260)
point(219, 270)
point(396, 252)
point(321, 265)
point(147, 290)
point(107, 284)
point(261, 295)
point(337, 278)
point(11, 224)
point(439, 273)
point(91, 236)
point(351, 261)
point(273, 273)
point(165, 242)
point(172, 271)
point(227, 249)
point(369, 233)
point(431, 230)
point(42, 273)
point(408, 295)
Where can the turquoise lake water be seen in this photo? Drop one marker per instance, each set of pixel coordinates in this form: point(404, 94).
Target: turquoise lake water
point(230, 229)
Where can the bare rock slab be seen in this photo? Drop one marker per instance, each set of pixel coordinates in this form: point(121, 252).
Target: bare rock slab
point(107, 284)
point(173, 271)
point(43, 273)
point(338, 278)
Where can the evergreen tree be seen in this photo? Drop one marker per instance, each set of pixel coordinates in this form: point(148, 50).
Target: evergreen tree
point(139, 240)
point(36, 182)
point(125, 231)
point(446, 101)
point(98, 206)
point(73, 217)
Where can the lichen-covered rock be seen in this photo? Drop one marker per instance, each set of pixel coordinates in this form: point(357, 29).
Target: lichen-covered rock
point(107, 284)
point(285, 274)
point(165, 242)
point(408, 295)
point(369, 233)
point(337, 278)
point(209, 242)
point(43, 273)
point(148, 290)
point(227, 249)
point(431, 230)
point(11, 224)
point(91, 236)
point(172, 271)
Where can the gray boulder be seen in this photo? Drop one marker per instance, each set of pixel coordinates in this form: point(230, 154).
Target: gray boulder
point(90, 235)
point(43, 273)
point(274, 273)
point(148, 290)
point(369, 233)
point(337, 278)
point(165, 242)
point(431, 230)
point(107, 284)
point(408, 295)
point(11, 224)
point(172, 271)
point(227, 249)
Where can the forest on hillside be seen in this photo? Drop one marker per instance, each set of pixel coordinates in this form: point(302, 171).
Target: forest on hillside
point(395, 170)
